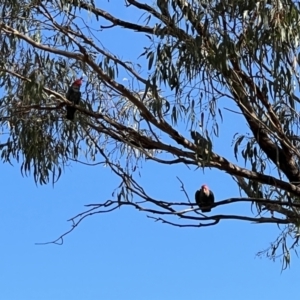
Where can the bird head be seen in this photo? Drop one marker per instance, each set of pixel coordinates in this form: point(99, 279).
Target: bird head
point(77, 82)
point(205, 189)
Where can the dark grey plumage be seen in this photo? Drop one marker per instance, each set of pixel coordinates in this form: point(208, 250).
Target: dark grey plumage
point(74, 96)
point(205, 198)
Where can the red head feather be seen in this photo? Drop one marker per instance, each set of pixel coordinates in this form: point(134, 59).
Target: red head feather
point(78, 82)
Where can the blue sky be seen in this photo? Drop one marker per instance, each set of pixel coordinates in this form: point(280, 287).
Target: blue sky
point(123, 254)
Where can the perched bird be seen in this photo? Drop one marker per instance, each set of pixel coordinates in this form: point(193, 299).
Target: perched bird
point(205, 198)
point(74, 96)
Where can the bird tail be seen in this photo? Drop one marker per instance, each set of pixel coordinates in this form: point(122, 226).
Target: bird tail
point(70, 113)
point(205, 209)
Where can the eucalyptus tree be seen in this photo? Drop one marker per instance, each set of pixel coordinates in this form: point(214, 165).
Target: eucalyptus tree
point(198, 54)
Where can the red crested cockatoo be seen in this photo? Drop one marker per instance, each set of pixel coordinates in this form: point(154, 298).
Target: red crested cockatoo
point(73, 95)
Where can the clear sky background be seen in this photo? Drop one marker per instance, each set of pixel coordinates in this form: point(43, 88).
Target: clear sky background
point(123, 254)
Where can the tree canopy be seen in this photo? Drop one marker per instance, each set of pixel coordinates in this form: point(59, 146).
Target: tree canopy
point(200, 59)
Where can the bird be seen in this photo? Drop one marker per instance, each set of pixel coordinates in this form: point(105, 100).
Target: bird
point(73, 95)
point(204, 198)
